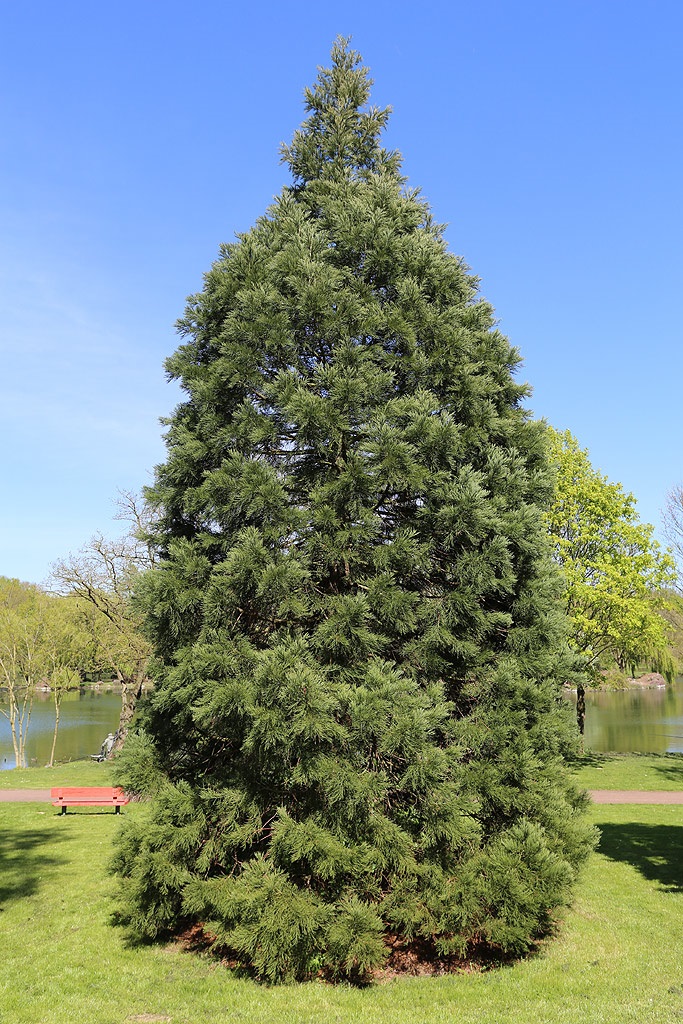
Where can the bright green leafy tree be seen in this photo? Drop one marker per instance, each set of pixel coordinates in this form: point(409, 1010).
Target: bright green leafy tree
point(615, 572)
point(356, 729)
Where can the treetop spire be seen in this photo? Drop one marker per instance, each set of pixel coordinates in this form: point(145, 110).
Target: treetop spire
point(341, 138)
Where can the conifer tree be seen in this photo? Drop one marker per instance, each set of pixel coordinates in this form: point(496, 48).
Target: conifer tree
point(356, 731)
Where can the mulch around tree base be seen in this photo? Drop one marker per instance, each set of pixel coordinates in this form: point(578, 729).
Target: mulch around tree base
point(598, 796)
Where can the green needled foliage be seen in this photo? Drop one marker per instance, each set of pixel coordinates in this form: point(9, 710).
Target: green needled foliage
point(356, 730)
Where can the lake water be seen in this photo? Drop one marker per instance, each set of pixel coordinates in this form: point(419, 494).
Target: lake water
point(86, 718)
point(644, 721)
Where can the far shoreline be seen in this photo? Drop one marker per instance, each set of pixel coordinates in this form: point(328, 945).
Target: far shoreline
point(648, 681)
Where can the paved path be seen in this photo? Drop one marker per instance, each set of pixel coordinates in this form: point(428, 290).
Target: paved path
point(16, 796)
point(636, 796)
point(598, 796)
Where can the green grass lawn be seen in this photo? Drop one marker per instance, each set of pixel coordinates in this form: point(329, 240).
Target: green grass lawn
point(75, 773)
point(615, 959)
point(630, 771)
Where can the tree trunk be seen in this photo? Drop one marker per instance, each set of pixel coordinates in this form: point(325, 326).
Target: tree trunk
point(16, 733)
point(580, 706)
point(130, 694)
point(20, 708)
point(58, 703)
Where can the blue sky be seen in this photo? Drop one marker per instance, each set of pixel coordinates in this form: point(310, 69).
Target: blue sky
point(136, 137)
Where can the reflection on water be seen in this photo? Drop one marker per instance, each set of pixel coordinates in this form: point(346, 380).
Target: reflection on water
point(641, 720)
point(646, 721)
point(86, 718)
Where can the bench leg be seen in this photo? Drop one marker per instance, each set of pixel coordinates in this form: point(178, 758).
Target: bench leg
point(63, 810)
point(117, 809)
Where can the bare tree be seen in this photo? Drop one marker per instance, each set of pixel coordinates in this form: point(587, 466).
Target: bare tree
point(142, 518)
point(104, 574)
point(673, 527)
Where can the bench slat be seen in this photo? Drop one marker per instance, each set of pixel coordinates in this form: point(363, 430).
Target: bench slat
point(88, 796)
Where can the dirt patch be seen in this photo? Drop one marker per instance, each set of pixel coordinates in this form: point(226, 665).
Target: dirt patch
point(150, 1018)
point(196, 940)
point(417, 959)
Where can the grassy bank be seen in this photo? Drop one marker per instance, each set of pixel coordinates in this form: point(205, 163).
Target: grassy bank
point(630, 771)
point(615, 958)
point(75, 773)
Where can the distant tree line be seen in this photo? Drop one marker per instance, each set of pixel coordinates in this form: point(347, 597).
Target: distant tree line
point(83, 625)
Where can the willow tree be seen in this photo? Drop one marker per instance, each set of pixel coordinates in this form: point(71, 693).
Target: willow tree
point(356, 731)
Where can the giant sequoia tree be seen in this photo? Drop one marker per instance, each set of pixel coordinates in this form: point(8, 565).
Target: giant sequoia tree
point(356, 731)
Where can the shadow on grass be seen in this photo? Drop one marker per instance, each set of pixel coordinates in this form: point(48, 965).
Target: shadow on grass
point(654, 850)
point(84, 812)
point(590, 760)
point(672, 770)
point(27, 858)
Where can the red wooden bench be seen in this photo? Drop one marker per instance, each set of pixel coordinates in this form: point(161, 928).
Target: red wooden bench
point(88, 796)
